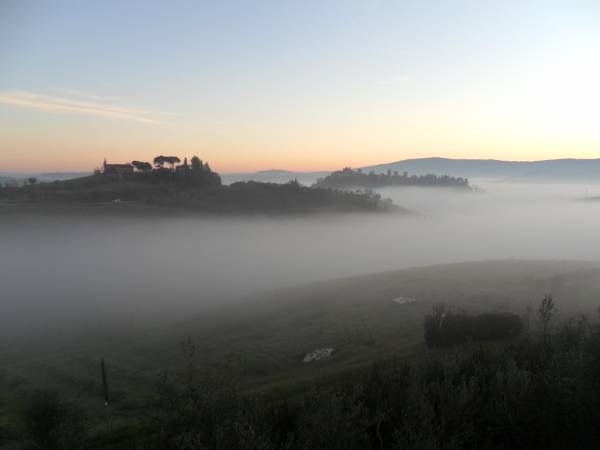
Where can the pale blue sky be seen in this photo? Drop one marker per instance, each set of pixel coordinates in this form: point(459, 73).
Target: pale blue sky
point(307, 84)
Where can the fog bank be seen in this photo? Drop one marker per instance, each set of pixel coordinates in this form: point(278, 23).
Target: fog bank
point(57, 272)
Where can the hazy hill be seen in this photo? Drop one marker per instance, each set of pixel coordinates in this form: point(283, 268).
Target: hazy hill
point(348, 178)
point(53, 176)
point(4, 179)
point(583, 170)
point(571, 170)
point(273, 331)
point(557, 169)
point(274, 176)
point(21, 177)
point(169, 191)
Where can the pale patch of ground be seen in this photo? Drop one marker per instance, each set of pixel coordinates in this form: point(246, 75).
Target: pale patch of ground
point(404, 300)
point(318, 354)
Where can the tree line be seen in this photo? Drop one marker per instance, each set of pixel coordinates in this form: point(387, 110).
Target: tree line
point(348, 178)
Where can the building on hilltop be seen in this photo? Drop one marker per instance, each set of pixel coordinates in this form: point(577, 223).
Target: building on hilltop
point(116, 169)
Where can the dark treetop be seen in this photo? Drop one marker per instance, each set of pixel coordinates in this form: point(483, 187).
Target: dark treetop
point(348, 178)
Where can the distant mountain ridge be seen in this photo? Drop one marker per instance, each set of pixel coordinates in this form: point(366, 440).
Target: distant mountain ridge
point(275, 176)
point(554, 169)
point(567, 169)
point(7, 180)
point(21, 177)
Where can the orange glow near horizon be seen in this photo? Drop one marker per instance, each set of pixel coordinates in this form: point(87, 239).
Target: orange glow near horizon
point(54, 145)
point(79, 162)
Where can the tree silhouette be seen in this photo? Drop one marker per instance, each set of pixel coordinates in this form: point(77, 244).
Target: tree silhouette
point(161, 160)
point(348, 178)
point(546, 312)
point(196, 164)
point(142, 166)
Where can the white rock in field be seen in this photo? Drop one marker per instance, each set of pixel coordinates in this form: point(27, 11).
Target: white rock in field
point(318, 354)
point(404, 300)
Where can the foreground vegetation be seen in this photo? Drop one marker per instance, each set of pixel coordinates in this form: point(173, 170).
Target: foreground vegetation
point(539, 391)
point(251, 355)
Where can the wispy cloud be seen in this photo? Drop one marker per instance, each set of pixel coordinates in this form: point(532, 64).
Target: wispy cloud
point(73, 102)
point(86, 96)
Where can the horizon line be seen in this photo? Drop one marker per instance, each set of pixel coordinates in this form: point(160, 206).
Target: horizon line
point(272, 169)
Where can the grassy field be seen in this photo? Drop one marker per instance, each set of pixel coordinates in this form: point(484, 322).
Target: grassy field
point(268, 336)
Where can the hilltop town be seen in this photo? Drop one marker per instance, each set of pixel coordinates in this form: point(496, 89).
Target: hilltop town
point(165, 168)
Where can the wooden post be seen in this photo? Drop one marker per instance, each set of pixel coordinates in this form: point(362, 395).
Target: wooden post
point(106, 395)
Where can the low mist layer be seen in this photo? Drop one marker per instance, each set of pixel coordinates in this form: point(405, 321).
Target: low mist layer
point(77, 271)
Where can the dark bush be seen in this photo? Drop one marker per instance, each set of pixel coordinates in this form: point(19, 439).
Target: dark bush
point(446, 328)
point(53, 424)
point(490, 326)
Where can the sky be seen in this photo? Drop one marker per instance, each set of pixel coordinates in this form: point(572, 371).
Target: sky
point(306, 85)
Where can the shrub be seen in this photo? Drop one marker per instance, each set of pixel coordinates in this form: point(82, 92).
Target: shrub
point(446, 328)
point(53, 424)
point(496, 326)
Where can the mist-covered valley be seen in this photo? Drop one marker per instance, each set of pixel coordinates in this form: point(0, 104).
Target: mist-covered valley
point(76, 271)
point(258, 301)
